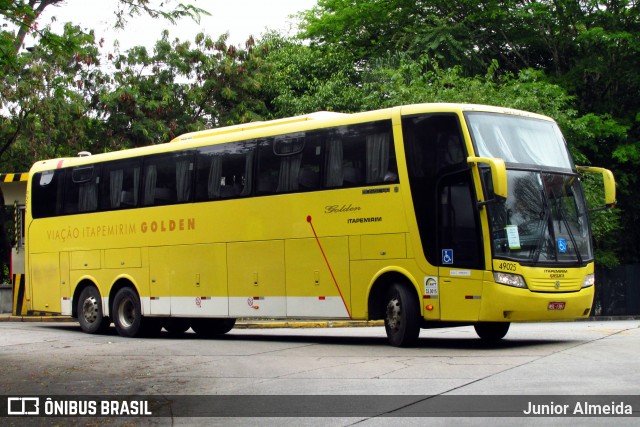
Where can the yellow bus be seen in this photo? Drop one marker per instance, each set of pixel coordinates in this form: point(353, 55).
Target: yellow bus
point(423, 215)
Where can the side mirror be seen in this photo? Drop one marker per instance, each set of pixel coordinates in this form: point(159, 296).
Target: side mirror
point(498, 173)
point(608, 181)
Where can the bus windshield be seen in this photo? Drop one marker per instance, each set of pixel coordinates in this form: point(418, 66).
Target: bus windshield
point(543, 220)
point(521, 140)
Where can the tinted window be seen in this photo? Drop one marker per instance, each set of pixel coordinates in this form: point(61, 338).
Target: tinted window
point(310, 166)
point(344, 156)
point(120, 185)
point(225, 171)
point(360, 155)
point(81, 190)
point(289, 163)
point(46, 193)
point(167, 179)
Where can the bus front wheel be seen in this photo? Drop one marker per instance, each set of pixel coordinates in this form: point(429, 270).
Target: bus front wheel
point(127, 313)
point(492, 331)
point(90, 314)
point(402, 316)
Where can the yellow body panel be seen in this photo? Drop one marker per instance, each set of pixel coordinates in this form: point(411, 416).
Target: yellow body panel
point(44, 276)
point(460, 294)
point(256, 268)
point(310, 275)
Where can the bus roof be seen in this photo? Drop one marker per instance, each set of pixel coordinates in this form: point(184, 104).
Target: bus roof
point(257, 125)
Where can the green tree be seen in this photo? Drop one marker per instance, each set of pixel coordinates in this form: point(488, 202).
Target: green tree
point(47, 113)
point(181, 87)
point(43, 88)
point(300, 79)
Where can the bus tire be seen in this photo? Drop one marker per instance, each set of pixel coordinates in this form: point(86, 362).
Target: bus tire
point(127, 313)
point(90, 314)
point(401, 316)
point(492, 331)
point(212, 327)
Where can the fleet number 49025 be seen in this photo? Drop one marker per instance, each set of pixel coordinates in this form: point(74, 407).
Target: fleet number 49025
point(507, 266)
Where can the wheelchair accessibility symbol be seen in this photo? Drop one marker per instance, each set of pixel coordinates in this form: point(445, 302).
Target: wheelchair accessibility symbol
point(562, 245)
point(447, 256)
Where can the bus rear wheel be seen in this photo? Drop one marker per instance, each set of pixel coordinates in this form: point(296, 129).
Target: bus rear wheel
point(90, 314)
point(492, 331)
point(402, 316)
point(127, 313)
point(212, 327)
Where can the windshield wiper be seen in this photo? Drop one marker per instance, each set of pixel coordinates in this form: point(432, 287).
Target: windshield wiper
point(545, 224)
point(560, 208)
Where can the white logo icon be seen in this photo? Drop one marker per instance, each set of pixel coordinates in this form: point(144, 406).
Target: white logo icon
point(23, 406)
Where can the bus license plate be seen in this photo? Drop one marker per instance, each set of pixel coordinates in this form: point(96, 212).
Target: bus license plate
point(556, 306)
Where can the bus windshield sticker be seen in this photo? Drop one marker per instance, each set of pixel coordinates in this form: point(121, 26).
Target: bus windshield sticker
point(447, 256)
point(562, 246)
point(513, 236)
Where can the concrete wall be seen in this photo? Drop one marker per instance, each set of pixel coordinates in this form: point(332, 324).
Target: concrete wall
point(6, 298)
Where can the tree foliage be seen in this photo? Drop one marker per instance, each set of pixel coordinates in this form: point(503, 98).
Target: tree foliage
point(49, 92)
point(151, 98)
point(299, 79)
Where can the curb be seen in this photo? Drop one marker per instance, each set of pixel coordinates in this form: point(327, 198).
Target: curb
point(241, 324)
point(247, 324)
point(12, 318)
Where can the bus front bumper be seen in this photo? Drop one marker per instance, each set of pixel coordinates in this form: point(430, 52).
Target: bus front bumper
point(502, 303)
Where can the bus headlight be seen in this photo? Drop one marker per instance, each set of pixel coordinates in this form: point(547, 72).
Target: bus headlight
point(589, 280)
point(509, 279)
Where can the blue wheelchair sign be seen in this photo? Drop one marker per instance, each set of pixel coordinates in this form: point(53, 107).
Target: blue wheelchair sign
point(562, 246)
point(447, 256)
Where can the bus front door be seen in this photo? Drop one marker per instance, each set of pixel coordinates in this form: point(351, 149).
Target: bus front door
point(460, 249)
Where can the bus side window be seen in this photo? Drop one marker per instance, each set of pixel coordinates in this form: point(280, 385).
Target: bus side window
point(224, 171)
point(268, 168)
point(46, 193)
point(167, 179)
point(360, 155)
point(81, 190)
point(309, 175)
point(333, 172)
point(354, 161)
point(280, 164)
point(120, 185)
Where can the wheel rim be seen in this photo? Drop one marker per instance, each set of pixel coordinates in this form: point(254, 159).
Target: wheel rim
point(90, 310)
point(126, 313)
point(394, 314)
